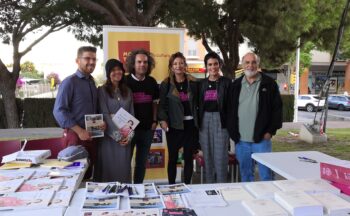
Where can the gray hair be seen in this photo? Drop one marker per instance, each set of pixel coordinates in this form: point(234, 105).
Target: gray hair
point(257, 58)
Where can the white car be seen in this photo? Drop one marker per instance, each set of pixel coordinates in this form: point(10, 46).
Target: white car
point(310, 102)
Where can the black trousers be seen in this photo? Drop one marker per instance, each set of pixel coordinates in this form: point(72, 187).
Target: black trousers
point(181, 138)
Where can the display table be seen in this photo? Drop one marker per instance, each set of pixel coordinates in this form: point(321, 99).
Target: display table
point(289, 166)
point(235, 207)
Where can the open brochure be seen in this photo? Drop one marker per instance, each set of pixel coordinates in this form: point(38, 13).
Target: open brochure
point(203, 198)
point(19, 200)
point(93, 124)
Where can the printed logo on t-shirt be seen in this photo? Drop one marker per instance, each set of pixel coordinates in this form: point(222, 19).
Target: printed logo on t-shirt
point(210, 95)
point(141, 97)
point(183, 96)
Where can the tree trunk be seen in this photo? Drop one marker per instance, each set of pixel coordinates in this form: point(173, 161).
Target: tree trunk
point(9, 100)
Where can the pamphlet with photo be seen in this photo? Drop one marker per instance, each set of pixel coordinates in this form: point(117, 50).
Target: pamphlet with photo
point(93, 124)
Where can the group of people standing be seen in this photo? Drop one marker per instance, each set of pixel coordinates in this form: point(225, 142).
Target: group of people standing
point(193, 113)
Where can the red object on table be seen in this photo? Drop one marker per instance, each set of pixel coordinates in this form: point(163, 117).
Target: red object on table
point(337, 172)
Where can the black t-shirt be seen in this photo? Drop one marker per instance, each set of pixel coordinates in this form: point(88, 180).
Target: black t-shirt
point(211, 97)
point(183, 94)
point(144, 93)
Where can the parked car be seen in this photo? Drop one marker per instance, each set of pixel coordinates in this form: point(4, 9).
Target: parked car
point(310, 102)
point(340, 102)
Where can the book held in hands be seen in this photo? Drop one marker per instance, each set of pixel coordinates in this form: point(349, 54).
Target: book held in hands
point(94, 124)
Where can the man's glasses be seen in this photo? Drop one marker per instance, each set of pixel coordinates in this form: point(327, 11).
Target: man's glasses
point(89, 59)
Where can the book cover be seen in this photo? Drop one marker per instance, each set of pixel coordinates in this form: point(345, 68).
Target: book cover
point(93, 124)
point(10, 186)
point(235, 193)
point(15, 175)
point(260, 207)
point(18, 200)
point(173, 189)
point(123, 119)
point(146, 202)
point(41, 184)
point(172, 201)
point(299, 203)
point(262, 189)
point(333, 204)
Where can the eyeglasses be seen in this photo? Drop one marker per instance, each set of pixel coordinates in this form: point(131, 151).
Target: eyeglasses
point(89, 59)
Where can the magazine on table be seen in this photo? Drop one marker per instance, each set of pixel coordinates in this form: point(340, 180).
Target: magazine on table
point(10, 186)
point(15, 175)
point(93, 124)
point(30, 156)
point(146, 202)
point(235, 193)
point(204, 198)
point(110, 189)
point(150, 189)
point(132, 212)
point(179, 212)
point(264, 207)
point(126, 123)
point(172, 201)
point(61, 198)
point(101, 203)
point(18, 200)
point(41, 184)
point(173, 189)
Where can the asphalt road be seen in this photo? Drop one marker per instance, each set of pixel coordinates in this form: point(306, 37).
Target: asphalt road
point(333, 115)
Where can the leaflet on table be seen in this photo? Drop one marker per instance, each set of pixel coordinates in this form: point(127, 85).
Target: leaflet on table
point(150, 189)
point(15, 174)
point(15, 165)
point(10, 186)
point(261, 207)
point(146, 202)
point(39, 174)
point(299, 203)
point(262, 189)
point(172, 201)
point(69, 185)
point(173, 189)
point(132, 212)
point(203, 198)
point(235, 193)
point(55, 163)
point(333, 204)
point(19, 200)
point(101, 203)
point(179, 212)
point(41, 184)
point(98, 189)
point(31, 156)
point(61, 198)
point(94, 124)
point(63, 173)
point(307, 185)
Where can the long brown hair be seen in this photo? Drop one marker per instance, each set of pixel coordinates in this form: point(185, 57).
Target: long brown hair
point(110, 64)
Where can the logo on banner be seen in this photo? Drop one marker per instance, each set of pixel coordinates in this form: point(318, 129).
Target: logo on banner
point(125, 47)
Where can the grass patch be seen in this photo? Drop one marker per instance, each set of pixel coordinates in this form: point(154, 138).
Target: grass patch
point(338, 144)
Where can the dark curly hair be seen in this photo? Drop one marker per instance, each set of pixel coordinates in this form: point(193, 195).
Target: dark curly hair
point(130, 61)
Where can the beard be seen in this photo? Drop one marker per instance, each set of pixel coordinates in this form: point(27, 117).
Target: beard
point(250, 73)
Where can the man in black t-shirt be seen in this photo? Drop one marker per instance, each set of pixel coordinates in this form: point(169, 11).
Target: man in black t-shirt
point(145, 90)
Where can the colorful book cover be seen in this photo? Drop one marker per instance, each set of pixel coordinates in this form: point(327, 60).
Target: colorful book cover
point(173, 189)
point(146, 202)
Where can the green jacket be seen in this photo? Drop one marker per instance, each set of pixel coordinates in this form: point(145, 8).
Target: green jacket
point(170, 106)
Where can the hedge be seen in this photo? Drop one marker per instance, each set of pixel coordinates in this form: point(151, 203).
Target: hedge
point(38, 111)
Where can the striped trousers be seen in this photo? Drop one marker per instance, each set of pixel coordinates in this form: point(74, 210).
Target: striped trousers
point(214, 141)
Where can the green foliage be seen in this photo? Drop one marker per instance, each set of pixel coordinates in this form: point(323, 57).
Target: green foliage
point(38, 113)
point(28, 70)
point(288, 108)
